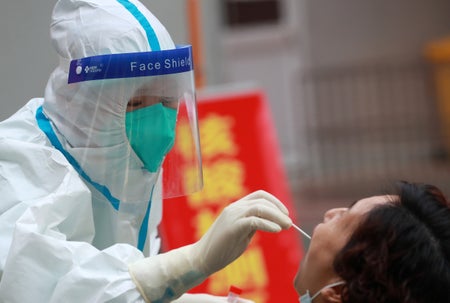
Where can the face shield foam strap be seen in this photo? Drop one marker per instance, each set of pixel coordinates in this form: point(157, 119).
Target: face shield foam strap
point(131, 65)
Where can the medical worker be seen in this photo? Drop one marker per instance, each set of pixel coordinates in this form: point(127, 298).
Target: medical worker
point(80, 170)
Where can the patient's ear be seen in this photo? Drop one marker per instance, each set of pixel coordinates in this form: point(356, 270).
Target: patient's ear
point(332, 294)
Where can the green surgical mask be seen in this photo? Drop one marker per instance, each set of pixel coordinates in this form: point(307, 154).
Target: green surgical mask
point(151, 132)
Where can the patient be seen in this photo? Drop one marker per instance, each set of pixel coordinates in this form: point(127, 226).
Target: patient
point(391, 248)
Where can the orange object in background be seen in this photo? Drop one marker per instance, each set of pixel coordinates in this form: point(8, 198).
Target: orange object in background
point(194, 17)
point(438, 53)
point(240, 155)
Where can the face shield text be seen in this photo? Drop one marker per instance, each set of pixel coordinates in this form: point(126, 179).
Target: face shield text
point(179, 62)
point(144, 67)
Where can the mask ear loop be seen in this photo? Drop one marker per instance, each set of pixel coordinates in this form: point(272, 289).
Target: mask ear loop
point(327, 286)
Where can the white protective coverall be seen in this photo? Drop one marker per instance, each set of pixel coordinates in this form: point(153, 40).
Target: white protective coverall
point(61, 239)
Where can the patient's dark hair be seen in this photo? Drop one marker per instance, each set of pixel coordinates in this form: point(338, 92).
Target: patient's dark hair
point(400, 252)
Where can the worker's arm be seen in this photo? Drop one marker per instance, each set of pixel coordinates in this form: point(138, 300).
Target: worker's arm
point(46, 227)
point(167, 276)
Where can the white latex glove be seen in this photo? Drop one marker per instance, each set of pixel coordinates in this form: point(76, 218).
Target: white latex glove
point(165, 277)
point(205, 298)
point(232, 231)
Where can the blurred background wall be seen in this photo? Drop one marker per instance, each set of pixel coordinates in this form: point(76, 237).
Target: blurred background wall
point(351, 93)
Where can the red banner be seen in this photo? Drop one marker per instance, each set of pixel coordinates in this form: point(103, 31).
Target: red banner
point(240, 155)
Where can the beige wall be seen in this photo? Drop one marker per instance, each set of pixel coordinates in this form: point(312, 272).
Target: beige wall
point(26, 57)
point(352, 31)
point(331, 33)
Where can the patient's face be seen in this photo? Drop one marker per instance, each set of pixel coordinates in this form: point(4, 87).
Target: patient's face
point(328, 238)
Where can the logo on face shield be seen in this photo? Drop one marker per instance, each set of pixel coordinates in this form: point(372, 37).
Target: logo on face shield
point(88, 69)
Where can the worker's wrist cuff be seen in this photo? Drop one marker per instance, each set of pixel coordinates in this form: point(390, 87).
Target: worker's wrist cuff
point(165, 277)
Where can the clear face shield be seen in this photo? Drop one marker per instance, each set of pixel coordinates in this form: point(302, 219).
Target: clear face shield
point(152, 96)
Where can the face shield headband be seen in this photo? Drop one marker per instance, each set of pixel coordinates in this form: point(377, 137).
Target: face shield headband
point(159, 93)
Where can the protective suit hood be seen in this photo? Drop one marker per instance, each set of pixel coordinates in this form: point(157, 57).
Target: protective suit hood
point(89, 117)
point(90, 122)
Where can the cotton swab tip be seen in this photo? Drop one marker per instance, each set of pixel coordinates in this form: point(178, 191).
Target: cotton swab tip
point(301, 231)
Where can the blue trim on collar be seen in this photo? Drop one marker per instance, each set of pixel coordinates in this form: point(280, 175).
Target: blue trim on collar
point(144, 226)
point(45, 125)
